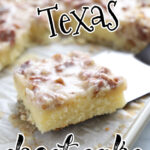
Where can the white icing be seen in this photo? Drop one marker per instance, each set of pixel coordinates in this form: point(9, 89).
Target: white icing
point(50, 86)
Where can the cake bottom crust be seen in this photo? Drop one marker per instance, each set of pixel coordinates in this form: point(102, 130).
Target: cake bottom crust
point(73, 112)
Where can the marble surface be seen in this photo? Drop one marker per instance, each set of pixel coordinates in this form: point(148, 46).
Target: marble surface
point(143, 140)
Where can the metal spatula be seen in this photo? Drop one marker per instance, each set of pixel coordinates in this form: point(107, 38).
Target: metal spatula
point(135, 68)
point(144, 55)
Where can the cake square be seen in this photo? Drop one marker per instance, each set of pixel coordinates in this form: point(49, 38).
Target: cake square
point(67, 89)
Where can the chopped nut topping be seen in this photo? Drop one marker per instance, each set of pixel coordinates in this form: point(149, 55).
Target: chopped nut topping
point(124, 8)
point(110, 81)
point(69, 63)
point(105, 70)
point(2, 21)
point(52, 83)
point(38, 79)
point(7, 36)
point(57, 57)
point(84, 75)
point(98, 86)
point(88, 62)
point(16, 26)
point(45, 106)
point(59, 68)
point(3, 10)
point(60, 81)
point(25, 65)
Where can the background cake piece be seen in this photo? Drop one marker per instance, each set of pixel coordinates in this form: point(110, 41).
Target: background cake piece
point(14, 31)
point(20, 28)
point(66, 90)
point(39, 31)
point(133, 33)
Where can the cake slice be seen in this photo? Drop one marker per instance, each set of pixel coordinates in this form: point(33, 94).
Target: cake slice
point(39, 31)
point(67, 89)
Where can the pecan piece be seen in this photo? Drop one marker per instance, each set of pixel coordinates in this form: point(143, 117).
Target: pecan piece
point(88, 62)
point(38, 78)
point(112, 83)
point(60, 81)
point(3, 10)
point(85, 75)
point(59, 68)
point(69, 63)
point(7, 36)
point(2, 21)
point(57, 57)
point(99, 85)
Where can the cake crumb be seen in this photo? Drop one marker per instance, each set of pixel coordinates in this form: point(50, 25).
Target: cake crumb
point(21, 120)
point(25, 127)
point(107, 129)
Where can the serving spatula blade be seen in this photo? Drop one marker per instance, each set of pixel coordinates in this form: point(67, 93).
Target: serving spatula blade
point(133, 70)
